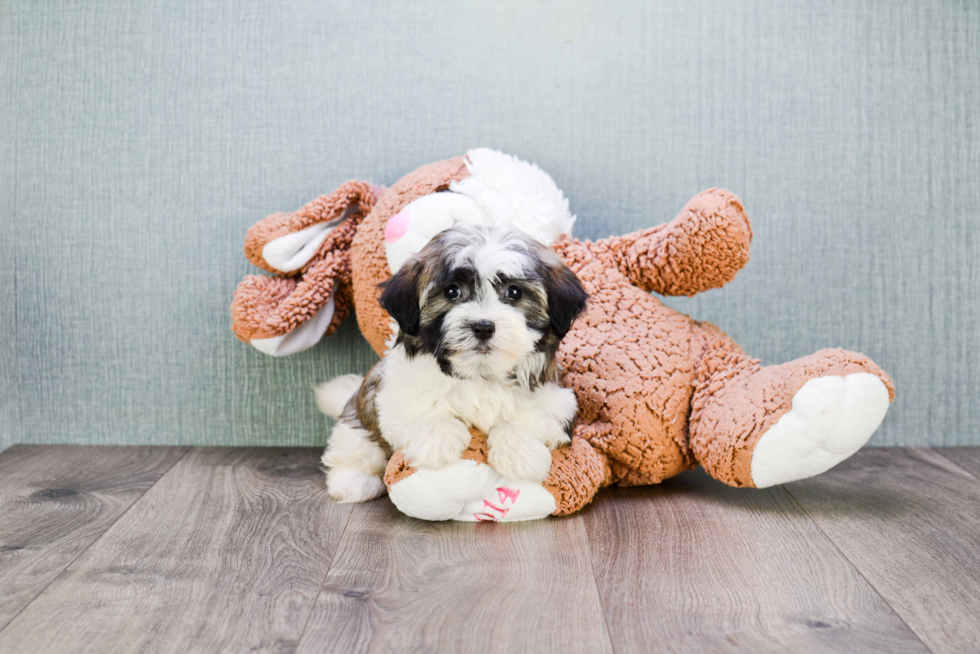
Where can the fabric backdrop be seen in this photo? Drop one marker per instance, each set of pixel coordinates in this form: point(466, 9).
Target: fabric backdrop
point(139, 140)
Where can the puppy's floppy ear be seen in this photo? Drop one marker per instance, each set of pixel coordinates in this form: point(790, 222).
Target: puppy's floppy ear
point(400, 297)
point(566, 298)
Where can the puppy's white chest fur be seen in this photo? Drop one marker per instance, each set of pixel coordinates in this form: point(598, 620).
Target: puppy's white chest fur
point(414, 388)
point(428, 414)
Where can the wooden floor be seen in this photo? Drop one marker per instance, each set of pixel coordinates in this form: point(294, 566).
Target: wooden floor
point(145, 549)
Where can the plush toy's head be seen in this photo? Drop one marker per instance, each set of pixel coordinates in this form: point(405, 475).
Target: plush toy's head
point(485, 187)
point(338, 249)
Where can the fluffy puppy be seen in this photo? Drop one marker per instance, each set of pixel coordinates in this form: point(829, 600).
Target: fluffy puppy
point(480, 314)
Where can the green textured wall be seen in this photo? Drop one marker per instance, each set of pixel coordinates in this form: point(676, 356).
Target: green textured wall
point(138, 141)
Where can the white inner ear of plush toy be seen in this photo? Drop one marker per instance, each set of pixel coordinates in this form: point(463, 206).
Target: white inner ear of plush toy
point(303, 337)
point(292, 251)
point(501, 189)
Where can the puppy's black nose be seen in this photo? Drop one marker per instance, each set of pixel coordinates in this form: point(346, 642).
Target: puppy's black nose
point(483, 329)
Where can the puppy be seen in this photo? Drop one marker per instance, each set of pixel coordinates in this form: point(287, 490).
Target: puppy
point(480, 313)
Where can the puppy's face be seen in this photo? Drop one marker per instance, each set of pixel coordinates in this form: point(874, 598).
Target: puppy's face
point(490, 303)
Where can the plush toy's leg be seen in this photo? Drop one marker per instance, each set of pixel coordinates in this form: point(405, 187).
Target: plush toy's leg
point(577, 472)
point(757, 427)
point(470, 490)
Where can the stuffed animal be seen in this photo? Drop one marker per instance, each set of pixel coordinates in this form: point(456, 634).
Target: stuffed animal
point(659, 393)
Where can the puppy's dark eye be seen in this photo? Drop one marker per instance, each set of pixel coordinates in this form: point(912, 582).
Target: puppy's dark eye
point(514, 293)
point(452, 292)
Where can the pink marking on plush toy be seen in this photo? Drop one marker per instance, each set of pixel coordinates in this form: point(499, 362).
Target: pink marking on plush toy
point(504, 494)
point(485, 517)
point(503, 512)
point(397, 226)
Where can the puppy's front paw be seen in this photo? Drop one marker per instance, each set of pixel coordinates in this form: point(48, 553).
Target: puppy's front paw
point(560, 404)
point(553, 434)
point(437, 448)
point(518, 456)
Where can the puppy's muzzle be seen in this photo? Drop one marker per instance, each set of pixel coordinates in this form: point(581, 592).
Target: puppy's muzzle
point(483, 330)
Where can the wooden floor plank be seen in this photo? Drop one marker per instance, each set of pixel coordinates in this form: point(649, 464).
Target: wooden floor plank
point(693, 566)
point(225, 553)
point(399, 584)
point(56, 500)
point(967, 458)
point(909, 520)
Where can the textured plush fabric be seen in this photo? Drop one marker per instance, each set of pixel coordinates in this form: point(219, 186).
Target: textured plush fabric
point(669, 258)
point(577, 472)
point(736, 401)
point(139, 141)
point(327, 208)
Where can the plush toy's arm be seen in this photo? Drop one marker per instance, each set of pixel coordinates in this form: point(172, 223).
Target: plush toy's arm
point(702, 248)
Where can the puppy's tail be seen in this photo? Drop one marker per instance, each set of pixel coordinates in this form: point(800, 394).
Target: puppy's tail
point(332, 396)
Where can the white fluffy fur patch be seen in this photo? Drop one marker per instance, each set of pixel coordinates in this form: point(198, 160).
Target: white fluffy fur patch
point(517, 193)
point(347, 486)
point(427, 414)
point(422, 219)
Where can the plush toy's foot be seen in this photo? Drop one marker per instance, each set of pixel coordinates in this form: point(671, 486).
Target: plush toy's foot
point(509, 501)
point(757, 427)
point(471, 492)
point(831, 419)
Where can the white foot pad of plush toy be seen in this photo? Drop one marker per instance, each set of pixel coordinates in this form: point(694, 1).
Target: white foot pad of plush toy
point(471, 492)
point(831, 418)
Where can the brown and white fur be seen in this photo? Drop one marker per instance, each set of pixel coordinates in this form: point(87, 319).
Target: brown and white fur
point(480, 314)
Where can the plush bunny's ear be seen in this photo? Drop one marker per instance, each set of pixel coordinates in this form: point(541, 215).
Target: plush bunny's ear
point(284, 316)
point(285, 243)
point(291, 252)
point(309, 251)
point(303, 337)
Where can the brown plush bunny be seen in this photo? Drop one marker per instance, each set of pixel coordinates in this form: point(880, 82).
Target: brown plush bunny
point(658, 392)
